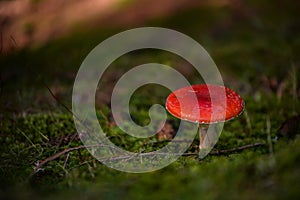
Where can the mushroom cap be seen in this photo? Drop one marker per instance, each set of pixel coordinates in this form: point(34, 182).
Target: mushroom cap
point(208, 111)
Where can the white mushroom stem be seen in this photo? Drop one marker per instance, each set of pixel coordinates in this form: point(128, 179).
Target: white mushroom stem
point(204, 140)
point(208, 136)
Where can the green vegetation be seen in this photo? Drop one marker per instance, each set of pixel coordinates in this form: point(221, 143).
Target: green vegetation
point(257, 52)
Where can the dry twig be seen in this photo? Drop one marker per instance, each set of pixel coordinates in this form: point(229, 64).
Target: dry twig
point(66, 151)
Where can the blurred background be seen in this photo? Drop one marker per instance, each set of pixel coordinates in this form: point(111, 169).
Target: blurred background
point(252, 42)
point(34, 22)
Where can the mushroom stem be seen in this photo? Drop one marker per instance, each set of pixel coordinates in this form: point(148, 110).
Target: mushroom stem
point(206, 138)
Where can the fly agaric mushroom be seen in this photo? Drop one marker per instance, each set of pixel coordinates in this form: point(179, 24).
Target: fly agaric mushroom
point(207, 111)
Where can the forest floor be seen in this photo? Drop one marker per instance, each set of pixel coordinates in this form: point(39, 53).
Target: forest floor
point(256, 48)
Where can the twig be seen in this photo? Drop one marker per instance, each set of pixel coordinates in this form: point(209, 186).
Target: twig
point(128, 157)
point(52, 94)
point(164, 141)
point(55, 156)
point(66, 160)
point(30, 141)
point(64, 105)
point(57, 99)
point(241, 148)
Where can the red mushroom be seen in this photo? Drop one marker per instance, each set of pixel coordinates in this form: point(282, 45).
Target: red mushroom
point(211, 107)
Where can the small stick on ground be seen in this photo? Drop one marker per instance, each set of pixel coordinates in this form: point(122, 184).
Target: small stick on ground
point(218, 152)
point(66, 160)
point(241, 148)
point(55, 156)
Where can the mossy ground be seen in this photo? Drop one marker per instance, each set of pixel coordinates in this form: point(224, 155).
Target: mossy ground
point(258, 56)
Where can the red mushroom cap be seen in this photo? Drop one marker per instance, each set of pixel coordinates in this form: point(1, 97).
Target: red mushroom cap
point(207, 111)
